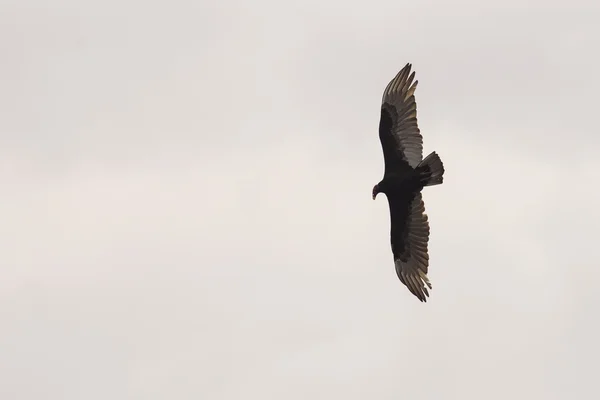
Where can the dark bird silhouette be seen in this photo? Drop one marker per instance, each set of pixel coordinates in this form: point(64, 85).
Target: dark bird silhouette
point(406, 174)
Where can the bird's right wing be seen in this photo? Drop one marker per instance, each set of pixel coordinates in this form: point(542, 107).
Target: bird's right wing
point(399, 132)
point(409, 245)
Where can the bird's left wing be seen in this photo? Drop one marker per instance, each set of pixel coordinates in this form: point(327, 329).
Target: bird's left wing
point(398, 129)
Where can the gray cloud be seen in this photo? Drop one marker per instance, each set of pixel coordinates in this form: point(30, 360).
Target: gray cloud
point(186, 201)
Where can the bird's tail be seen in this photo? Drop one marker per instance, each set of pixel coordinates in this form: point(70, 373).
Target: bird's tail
point(431, 170)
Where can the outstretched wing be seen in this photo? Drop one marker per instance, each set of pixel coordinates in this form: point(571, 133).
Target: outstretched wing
point(398, 130)
point(409, 236)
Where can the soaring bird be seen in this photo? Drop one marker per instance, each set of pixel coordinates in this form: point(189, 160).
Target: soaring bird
point(406, 174)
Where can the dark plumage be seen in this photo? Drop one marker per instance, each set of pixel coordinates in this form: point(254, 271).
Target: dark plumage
point(406, 173)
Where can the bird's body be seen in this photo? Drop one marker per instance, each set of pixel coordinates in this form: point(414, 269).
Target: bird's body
point(406, 174)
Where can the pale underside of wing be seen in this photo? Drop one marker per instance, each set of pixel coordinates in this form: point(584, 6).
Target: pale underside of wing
point(401, 134)
point(413, 262)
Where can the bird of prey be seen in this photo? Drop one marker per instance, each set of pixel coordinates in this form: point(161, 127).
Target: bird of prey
point(406, 174)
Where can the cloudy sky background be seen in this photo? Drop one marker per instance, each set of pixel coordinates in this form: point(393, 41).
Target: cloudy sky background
point(186, 200)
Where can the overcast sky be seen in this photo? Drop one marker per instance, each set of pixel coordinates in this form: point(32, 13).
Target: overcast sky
point(186, 213)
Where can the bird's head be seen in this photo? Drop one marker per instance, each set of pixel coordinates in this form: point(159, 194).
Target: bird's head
point(375, 191)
